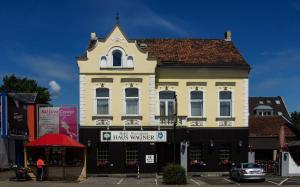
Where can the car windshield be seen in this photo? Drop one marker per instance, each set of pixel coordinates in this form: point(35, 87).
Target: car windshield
point(250, 165)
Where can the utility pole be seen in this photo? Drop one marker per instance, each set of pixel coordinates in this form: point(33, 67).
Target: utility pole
point(174, 128)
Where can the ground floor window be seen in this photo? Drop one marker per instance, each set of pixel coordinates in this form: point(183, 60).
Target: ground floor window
point(224, 154)
point(132, 155)
point(102, 155)
point(196, 155)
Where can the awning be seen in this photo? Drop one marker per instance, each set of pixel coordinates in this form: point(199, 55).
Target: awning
point(55, 140)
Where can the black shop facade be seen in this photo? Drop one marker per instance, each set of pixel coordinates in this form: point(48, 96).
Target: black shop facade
point(119, 150)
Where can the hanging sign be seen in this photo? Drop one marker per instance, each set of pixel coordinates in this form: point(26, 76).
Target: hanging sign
point(133, 136)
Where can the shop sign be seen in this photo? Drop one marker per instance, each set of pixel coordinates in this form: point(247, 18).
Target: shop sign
point(58, 120)
point(149, 159)
point(133, 136)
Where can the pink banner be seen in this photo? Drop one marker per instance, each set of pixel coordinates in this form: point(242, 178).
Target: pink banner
point(68, 122)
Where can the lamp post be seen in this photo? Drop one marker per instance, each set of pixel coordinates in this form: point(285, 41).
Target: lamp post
point(174, 128)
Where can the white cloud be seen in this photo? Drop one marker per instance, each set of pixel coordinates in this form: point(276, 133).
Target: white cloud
point(55, 88)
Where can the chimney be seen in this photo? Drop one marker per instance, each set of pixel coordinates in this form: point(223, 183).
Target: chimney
point(93, 36)
point(227, 36)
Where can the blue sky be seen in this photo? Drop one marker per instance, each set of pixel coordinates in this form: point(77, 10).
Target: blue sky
point(40, 39)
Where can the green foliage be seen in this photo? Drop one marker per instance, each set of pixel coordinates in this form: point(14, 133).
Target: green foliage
point(11, 83)
point(296, 118)
point(174, 174)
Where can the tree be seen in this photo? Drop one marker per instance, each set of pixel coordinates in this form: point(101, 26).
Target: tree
point(296, 118)
point(11, 83)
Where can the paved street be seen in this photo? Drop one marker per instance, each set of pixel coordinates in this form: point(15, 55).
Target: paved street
point(151, 181)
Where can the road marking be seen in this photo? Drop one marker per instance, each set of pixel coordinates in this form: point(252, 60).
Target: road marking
point(121, 180)
point(231, 181)
point(283, 181)
point(272, 182)
point(294, 180)
point(195, 182)
point(155, 181)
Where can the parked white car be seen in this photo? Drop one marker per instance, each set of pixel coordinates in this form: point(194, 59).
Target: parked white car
point(245, 171)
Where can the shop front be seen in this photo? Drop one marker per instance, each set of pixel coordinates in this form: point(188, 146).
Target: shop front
point(198, 150)
point(64, 157)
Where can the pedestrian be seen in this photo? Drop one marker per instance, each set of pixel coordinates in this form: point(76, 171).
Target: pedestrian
point(40, 169)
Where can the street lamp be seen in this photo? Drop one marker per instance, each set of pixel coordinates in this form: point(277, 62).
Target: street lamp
point(174, 128)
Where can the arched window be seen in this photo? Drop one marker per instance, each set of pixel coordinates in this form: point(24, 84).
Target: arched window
point(102, 101)
point(103, 62)
point(225, 98)
point(166, 103)
point(117, 58)
point(132, 101)
point(196, 99)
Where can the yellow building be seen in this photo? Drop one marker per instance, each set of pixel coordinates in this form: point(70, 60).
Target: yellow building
point(134, 91)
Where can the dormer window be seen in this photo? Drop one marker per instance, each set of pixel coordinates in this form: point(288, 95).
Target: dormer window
point(117, 58)
point(263, 110)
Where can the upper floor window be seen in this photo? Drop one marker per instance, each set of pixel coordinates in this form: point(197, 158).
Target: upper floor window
point(117, 58)
point(225, 98)
point(166, 103)
point(132, 101)
point(196, 98)
point(263, 110)
point(102, 100)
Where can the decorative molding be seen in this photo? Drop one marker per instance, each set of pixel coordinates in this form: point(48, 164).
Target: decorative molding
point(246, 104)
point(225, 119)
point(196, 123)
point(167, 83)
point(131, 117)
point(102, 80)
point(102, 117)
point(225, 123)
point(132, 122)
point(225, 83)
point(196, 83)
point(131, 80)
point(152, 99)
point(195, 119)
point(103, 122)
point(82, 99)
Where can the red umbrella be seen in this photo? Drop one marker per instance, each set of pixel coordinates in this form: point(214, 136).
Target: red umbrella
point(55, 140)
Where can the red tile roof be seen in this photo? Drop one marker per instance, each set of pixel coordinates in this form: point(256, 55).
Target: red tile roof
point(268, 126)
point(194, 52)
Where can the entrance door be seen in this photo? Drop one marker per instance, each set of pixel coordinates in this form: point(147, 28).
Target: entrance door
point(165, 155)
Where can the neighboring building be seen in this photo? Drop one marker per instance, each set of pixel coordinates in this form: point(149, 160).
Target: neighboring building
point(17, 126)
point(267, 115)
point(130, 90)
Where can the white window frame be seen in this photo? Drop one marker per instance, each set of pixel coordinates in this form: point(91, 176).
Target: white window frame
point(224, 100)
point(109, 101)
point(166, 102)
point(124, 102)
point(195, 100)
point(111, 58)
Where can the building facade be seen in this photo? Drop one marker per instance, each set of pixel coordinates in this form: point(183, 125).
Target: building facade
point(148, 102)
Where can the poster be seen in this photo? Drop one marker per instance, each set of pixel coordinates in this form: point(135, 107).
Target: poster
point(68, 122)
point(58, 120)
point(48, 120)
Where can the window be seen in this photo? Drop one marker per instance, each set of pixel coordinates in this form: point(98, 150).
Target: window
point(132, 101)
point(196, 103)
point(102, 154)
point(132, 154)
point(263, 110)
point(166, 103)
point(224, 153)
point(102, 100)
point(117, 58)
point(225, 103)
point(196, 153)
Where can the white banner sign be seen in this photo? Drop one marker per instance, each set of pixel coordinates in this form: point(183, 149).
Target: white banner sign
point(48, 120)
point(133, 136)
